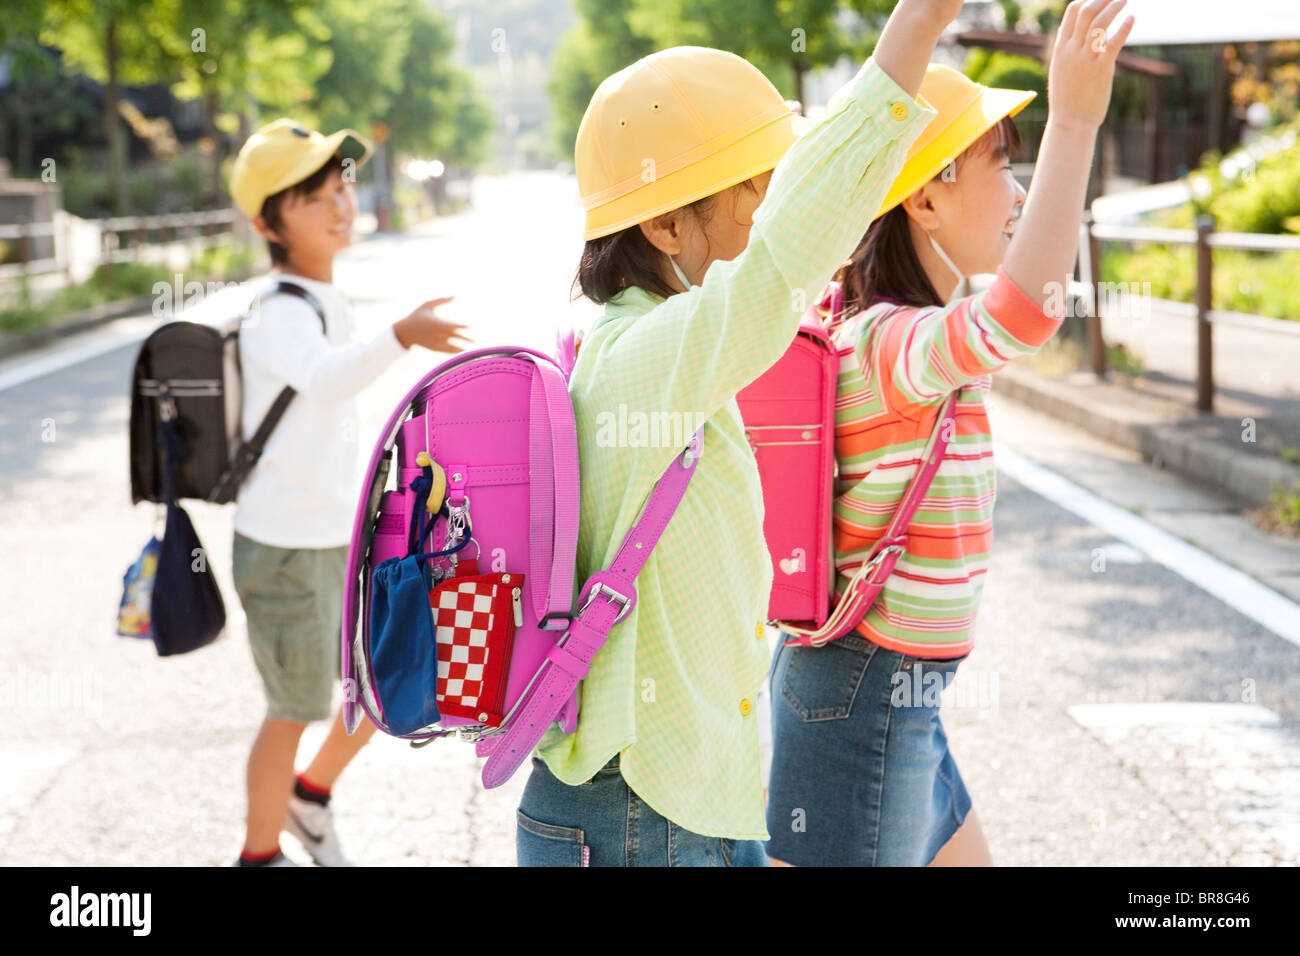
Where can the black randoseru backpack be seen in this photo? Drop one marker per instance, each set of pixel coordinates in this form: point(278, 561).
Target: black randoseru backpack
point(190, 372)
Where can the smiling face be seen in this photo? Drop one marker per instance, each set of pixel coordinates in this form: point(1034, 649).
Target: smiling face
point(971, 209)
point(313, 221)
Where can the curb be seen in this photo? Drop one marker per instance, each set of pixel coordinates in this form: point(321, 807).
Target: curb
point(1250, 479)
point(16, 343)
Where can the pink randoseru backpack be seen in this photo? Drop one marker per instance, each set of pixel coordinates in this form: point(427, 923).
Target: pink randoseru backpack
point(789, 414)
point(498, 424)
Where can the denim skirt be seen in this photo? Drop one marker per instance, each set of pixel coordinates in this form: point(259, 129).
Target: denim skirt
point(602, 822)
point(861, 772)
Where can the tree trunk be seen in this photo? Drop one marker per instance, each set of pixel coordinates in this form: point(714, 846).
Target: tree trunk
point(112, 124)
point(800, 71)
point(213, 198)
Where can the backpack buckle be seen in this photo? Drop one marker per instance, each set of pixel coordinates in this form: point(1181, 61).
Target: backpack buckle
point(693, 450)
point(874, 563)
point(615, 598)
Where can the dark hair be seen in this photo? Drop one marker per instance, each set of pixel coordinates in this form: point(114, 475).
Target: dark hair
point(885, 265)
point(612, 263)
point(271, 205)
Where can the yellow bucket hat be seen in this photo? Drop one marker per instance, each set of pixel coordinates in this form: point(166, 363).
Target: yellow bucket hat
point(283, 153)
point(966, 111)
point(674, 127)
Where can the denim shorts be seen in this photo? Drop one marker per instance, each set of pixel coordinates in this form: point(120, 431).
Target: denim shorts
point(603, 823)
point(861, 773)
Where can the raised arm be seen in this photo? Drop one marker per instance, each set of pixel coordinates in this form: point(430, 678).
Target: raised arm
point(1041, 255)
point(907, 42)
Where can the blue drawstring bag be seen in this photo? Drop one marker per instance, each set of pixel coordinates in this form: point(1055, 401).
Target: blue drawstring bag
point(186, 610)
point(403, 647)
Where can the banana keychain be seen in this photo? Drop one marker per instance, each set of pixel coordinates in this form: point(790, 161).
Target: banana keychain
point(438, 493)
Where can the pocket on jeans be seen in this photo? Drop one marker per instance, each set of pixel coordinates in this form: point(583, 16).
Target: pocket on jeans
point(543, 844)
point(821, 683)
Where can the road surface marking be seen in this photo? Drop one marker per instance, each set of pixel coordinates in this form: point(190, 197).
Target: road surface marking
point(1239, 591)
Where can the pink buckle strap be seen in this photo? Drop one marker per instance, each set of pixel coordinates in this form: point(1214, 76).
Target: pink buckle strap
point(607, 597)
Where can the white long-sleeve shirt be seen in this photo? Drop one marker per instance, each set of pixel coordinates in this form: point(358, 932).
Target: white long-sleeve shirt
point(303, 492)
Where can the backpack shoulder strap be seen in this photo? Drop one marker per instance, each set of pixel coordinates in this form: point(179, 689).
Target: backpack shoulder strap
point(292, 288)
point(606, 598)
point(248, 452)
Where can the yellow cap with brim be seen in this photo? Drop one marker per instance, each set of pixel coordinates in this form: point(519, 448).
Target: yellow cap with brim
point(674, 127)
point(966, 111)
point(283, 153)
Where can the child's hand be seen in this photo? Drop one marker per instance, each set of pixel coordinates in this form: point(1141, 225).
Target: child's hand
point(1083, 62)
point(422, 327)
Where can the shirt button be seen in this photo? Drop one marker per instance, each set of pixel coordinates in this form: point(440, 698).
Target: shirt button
point(898, 111)
point(745, 707)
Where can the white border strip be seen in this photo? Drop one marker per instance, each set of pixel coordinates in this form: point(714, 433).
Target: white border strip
point(1239, 591)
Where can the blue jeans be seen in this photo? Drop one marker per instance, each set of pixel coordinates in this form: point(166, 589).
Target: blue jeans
point(861, 771)
point(603, 823)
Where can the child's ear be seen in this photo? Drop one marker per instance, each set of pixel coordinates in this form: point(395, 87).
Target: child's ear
point(664, 233)
point(920, 208)
point(263, 230)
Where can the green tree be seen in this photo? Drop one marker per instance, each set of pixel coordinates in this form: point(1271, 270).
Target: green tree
point(240, 59)
point(600, 44)
point(783, 38)
point(39, 97)
point(437, 110)
point(369, 46)
point(114, 42)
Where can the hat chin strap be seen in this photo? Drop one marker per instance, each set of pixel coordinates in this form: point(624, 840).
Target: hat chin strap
point(963, 284)
point(680, 274)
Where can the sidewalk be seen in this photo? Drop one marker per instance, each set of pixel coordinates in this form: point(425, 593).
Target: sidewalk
point(1237, 449)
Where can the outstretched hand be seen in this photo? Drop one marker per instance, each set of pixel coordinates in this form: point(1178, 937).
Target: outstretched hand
point(424, 327)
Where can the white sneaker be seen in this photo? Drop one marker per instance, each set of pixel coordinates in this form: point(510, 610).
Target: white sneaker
point(313, 826)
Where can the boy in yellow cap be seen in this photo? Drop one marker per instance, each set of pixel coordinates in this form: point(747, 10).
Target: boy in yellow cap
point(294, 514)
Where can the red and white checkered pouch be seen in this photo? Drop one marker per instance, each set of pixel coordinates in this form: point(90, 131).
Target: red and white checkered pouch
point(474, 618)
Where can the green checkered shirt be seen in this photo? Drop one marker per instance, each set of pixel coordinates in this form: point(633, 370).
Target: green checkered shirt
point(674, 688)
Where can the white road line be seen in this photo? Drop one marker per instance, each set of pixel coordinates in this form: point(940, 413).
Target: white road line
point(94, 344)
point(1239, 591)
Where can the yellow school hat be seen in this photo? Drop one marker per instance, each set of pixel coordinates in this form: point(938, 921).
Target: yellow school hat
point(283, 153)
point(674, 127)
point(966, 111)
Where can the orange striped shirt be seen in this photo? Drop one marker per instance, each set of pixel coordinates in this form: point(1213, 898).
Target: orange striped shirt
point(898, 364)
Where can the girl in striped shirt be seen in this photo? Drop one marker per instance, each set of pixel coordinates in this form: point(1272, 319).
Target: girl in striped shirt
point(861, 771)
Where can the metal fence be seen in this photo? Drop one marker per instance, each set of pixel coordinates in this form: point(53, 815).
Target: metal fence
point(119, 239)
point(1204, 240)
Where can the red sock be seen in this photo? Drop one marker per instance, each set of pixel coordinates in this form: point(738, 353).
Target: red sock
point(256, 859)
point(306, 790)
